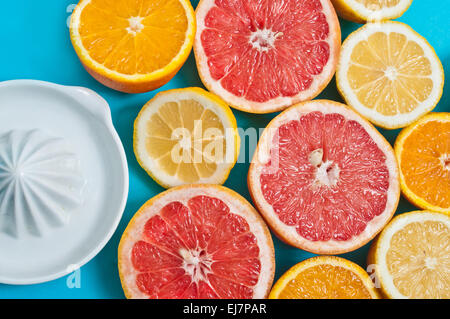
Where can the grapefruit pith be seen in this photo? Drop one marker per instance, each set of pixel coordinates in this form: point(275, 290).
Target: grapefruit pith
point(263, 56)
point(196, 241)
point(324, 178)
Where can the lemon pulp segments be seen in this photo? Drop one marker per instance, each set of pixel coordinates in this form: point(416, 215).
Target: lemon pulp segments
point(389, 74)
point(412, 256)
point(186, 136)
point(420, 270)
point(192, 116)
point(362, 11)
point(378, 4)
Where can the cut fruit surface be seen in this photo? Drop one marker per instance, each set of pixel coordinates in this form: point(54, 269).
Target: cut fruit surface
point(324, 179)
point(196, 241)
point(123, 44)
point(263, 56)
point(185, 136)
point(389, 74)
point(423, 154)
point(325, 277)
point(362, 11)
point(412, 256)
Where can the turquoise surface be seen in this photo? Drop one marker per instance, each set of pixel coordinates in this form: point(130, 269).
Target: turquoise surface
point(35, 44)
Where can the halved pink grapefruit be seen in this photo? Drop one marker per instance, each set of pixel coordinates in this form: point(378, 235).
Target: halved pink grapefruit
point(262, 56)
point(197, 241)
point(324, 178)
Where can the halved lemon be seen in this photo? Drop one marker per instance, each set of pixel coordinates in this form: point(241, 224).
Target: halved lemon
point(389, 74)
point(412, 256)
point(133, 46)
point(325, 277)
point(186, 136)
point(423, 154)
point(362, 11)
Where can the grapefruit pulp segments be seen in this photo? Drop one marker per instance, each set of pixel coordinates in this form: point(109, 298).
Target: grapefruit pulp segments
point(329, 183)
point(196, 241)
point(263, 56)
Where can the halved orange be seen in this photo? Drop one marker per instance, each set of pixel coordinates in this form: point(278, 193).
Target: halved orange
point(325, 277)
point(423, 153)
point(133, 46)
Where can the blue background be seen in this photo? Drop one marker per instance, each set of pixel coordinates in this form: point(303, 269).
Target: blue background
point(35, 44)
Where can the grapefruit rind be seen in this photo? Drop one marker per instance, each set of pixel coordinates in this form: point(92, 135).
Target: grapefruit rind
point(288, 234)
point(209, 101)
point(384, 121)
point(321, 260)
point(137, 83)
point(398, 148)
point(279, 103)
point(377, 252)
point(356, 12)
point(237, 204)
